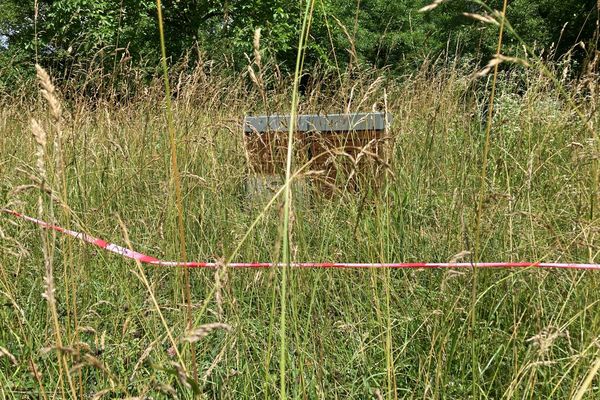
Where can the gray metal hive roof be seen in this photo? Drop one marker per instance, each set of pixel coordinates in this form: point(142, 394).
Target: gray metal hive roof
point(318, 123)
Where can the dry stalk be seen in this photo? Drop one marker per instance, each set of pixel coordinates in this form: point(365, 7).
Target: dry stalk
point(370, 90)
point(214, 364)
point(142, 276)
point(352, 49)
point(37, 375)
point(41, 140)
point(49, 93)
point(142, 358)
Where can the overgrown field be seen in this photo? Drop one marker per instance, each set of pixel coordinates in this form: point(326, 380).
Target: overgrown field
point(530, 334)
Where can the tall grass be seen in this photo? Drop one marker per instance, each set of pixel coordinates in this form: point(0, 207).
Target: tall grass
point(176, 182)
point(482, 191)
point(348, 334)
point(287, 205)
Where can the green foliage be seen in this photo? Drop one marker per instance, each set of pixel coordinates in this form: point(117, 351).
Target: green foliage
point(382, 32)
point(375, 32)
point(543, 24)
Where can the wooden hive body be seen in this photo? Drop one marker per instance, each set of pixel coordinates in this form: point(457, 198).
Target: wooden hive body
point(344, 149)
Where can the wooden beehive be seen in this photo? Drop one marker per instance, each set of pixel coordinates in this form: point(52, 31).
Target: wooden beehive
point(345, 149)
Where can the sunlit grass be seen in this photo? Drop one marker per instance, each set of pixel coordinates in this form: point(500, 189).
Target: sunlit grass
point(348, 333)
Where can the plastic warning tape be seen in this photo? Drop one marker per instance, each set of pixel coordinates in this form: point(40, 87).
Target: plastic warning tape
point(127, 253)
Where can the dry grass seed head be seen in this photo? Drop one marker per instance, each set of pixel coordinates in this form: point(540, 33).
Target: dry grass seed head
point(256, 46)
point(34, 370)
point(181, 375)
point(99, 394)
point(494, 62)
point(142, 358)
point(41, 139)
point(220, 282)
point(431, 6)
point(48, 91)
point(377, 394)
point(5, 353)
point(253, 77)
point(49, 289)
point(459, 257)
point(204, 330)
point(546, 338)
point(167, 389)
point(482, 18)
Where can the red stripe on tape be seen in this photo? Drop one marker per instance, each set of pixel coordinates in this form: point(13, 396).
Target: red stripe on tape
point(124, 252)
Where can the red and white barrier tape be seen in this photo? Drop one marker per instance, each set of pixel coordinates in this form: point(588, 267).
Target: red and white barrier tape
point(154, 261)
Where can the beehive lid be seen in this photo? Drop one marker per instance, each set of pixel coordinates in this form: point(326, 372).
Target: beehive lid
point(320, 123)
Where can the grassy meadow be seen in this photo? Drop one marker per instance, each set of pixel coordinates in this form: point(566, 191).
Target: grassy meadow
point(107, 328)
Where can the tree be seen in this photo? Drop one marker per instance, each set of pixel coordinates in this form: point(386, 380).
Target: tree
point(375, 32)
